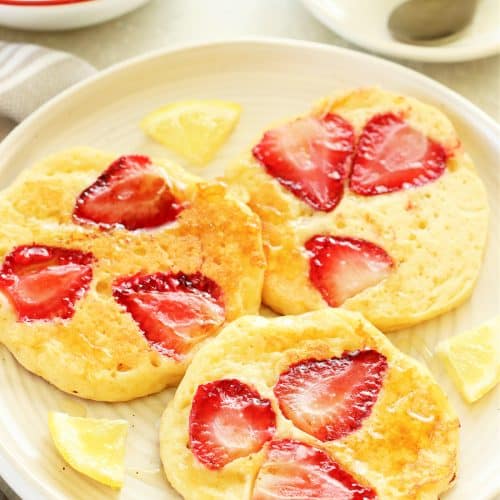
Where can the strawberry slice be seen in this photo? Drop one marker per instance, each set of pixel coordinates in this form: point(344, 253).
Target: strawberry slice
point(175, 311)
point(330, 398)
point(310, 157)
point(131, 193)
point(392, 155)
point(295, 470)
point(228, 420)
point(44, 282)
point(341, 267)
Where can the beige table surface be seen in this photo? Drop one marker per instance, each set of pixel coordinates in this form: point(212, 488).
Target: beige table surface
point(165, 22)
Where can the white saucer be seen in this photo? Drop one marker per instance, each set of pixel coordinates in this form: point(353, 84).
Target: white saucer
point(63, 16)
point(364, 22)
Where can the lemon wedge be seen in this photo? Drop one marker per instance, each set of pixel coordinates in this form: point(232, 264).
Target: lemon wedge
point(195, 130)
point(472, 359)
point(95, 447)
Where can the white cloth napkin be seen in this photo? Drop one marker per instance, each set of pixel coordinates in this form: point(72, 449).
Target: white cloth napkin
point(30, 75)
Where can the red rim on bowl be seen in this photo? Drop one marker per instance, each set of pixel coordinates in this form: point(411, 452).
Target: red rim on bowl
point(40, 3)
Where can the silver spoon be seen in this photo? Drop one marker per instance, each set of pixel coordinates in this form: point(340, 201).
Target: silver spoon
point(417, 21)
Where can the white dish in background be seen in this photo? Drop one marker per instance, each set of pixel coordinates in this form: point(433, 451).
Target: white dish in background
point(64, 16)
point(364, 22)
point(272, 79)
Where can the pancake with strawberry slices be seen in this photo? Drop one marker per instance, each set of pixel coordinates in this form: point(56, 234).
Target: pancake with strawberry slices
point(315, 406)
point(368, 203)
point(113, 272)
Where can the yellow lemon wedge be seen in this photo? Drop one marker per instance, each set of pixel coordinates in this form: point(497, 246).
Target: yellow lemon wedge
point(472, 359)
point(195, 130)
point(94, 447)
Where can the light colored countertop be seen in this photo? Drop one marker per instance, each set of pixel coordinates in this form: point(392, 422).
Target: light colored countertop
point(165, 22)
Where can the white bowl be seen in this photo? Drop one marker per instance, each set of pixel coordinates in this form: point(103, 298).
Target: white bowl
point(43, 15)
point(364, 22)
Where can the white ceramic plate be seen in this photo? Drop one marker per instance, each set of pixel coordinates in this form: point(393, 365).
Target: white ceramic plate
point(64, 16)
point(272, 79)
point(364, 22)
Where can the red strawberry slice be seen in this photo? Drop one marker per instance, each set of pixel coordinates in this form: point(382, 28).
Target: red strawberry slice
point(341, 267)
point(298, 471)
point(310, 157)
point(44, 282)
point(392, 155)
point(228, 420)
point(330, 398)
point(175, 311)
point(132, 193)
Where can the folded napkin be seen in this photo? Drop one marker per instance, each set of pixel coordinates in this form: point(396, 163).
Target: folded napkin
point(30, 75)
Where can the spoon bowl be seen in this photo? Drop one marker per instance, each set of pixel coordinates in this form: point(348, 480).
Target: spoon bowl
point(420, 21)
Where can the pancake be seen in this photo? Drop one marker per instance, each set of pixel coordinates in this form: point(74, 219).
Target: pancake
point(319, 405)
point(368, 203)
point(112, 276)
